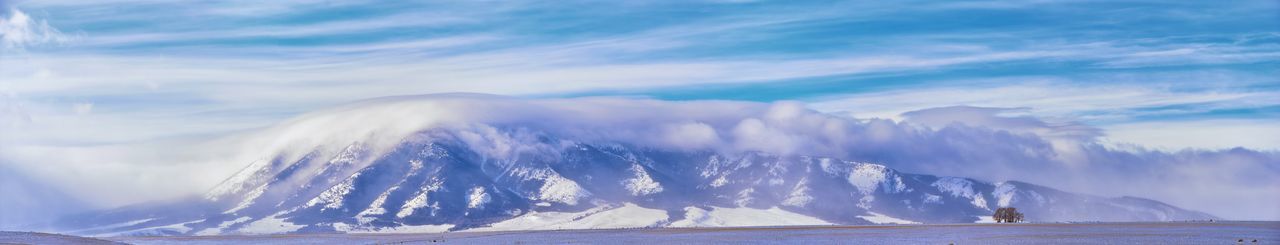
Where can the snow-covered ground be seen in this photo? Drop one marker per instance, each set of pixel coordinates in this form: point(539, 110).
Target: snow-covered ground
point(269, 225)
point(739, 217)
point(985, 220)
point(10, 237)
point(1094, 233)
point(605, 217)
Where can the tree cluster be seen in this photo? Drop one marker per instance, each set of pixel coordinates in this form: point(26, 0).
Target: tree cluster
point(1007, 215)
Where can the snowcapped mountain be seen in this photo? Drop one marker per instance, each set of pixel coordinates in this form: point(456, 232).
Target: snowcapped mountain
point(439, 185)
point(497, 174)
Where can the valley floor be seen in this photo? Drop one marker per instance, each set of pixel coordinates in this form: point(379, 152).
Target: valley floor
point(19, 237)
point(1090, 233)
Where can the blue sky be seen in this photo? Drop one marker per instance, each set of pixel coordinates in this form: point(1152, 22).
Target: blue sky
point(241, 64)
point(1166, 75)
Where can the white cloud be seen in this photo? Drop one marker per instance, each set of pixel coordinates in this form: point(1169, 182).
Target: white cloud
point(42, 74)
point(12, 115)
point(1113, 103)
point(18, 30)
point(286, 31)
point(1202, 134)
point(247, 79)
point(690, 135)
point(246, 85)
point(1091, 99)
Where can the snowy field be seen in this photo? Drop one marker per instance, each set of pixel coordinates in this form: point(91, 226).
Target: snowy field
point(10, 237)
point(1099, 233)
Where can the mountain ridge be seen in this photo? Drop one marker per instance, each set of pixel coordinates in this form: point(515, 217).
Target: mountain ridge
point(433, 180)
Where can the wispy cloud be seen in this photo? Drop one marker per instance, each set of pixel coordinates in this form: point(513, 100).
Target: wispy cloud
point(1099, 98)
point(236, 57)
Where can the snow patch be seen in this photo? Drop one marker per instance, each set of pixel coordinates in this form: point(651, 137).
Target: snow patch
point(557, 188)
point(1004, 194)
point(221, 227)
point(642, 184)
point(885, 219)
point(745, 197)
point(236, 182)
point(333, 197)
point(871, 177)
point(113, 226)
point(477, 198)
point(375, 208)
point(419, 200)
point(248, 199)
point(799, 197)
point(179, 228)
point(961, 187)
point(957, 187)
point(269, 225)
point(931, 198)
point(980, 202)
point(718, 182)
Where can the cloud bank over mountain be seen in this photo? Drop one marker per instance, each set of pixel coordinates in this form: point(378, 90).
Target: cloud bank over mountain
point(983, 143)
